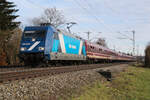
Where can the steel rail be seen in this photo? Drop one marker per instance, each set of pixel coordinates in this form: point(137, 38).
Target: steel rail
point(24, 74)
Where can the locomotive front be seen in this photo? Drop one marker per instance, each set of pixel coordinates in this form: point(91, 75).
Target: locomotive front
point(32, 45)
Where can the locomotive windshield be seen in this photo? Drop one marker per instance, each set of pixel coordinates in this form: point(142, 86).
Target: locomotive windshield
point(34, 34)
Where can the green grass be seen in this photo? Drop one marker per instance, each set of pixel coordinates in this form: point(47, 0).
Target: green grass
point(133, 84)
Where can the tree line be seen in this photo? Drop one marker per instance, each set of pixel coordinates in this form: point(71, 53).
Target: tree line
point(8, 30)
point(147, 56)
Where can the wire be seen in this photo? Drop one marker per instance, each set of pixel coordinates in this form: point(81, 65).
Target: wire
point(125, 20)
point(34, 4)
point(99, 21)
point(90, 6)
point(96, 18)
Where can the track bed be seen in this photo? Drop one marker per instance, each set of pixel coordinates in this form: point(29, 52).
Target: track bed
point(10, 75)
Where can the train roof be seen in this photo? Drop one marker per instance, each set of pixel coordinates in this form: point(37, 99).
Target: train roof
point(107, 49)
point(54, 29)
point(98, 46)
point(69, 34)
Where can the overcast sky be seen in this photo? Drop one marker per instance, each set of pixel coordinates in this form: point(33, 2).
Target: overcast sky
point(106, 16)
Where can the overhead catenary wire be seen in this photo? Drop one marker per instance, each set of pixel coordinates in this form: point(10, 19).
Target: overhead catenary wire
point(34, 4)
point(90, 27)
point(90, 6)
point(96, 18)
point(126, 36)
point(124, 20)
point(99, 21)
point(76, 19)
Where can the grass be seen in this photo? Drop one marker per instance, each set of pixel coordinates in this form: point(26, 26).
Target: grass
point(133, 84)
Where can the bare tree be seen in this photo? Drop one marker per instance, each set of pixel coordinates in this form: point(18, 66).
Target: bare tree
point(102, 42)
point(52, 16)
point(147, 55)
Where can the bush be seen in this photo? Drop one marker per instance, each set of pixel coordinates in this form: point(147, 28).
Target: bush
point(147, 56)
point(2, 58)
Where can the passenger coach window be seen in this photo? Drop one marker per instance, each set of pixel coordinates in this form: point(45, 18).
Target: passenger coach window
point(91, 47)
point(100, 50)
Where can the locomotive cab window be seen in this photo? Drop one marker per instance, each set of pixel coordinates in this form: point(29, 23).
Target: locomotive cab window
point(35, 34)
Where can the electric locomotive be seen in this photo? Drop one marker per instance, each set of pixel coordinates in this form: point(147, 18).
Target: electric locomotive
point(46, 43)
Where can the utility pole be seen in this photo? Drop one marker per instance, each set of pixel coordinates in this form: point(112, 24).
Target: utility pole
point(133, 42)
point(88, 34)
point(132, 39)
point(137, 50)
point(114, 47)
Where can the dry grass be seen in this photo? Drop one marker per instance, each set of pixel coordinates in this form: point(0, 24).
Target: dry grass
point(131, 85)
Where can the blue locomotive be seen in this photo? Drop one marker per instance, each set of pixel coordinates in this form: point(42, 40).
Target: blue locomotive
point(46, 43)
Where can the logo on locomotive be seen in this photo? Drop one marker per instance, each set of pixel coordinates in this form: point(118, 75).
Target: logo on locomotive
point(72, 46)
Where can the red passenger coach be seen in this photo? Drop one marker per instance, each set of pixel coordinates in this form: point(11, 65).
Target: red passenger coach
point(95, 51)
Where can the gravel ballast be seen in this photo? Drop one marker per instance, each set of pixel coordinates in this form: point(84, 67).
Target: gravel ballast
point(53, 87)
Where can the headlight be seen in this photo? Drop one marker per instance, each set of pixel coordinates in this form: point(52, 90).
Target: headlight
point(33, 39)
point(41, 48)
point(23, 49)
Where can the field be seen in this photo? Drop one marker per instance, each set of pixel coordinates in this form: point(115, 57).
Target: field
point(133, 84)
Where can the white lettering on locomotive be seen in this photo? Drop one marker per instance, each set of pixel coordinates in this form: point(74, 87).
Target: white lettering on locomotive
point(72, 46)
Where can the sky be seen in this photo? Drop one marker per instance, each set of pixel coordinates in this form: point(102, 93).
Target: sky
point(109, 19)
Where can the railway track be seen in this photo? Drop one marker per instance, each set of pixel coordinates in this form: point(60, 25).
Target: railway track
point(38, 72)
